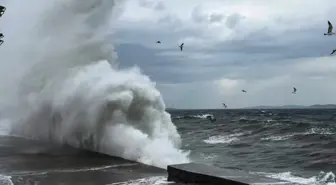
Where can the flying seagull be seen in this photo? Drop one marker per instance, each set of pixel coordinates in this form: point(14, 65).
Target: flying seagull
point(243, 91)
point(159, 42)
point(330, 29)
point(333, 52)
point(2, 10)
point(1, 36)
point(181, 46)
point(294, 90)
point(224, 105)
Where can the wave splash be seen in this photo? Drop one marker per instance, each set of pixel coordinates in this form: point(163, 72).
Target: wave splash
point(323, 178)
point(63, 84)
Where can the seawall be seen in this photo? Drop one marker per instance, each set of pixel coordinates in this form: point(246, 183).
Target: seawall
point(31, 162)
point(197, 173)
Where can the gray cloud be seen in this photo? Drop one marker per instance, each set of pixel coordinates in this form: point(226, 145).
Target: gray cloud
point(230, 58)
point(161, 68)
point(263, 46)
point(276, 53)
point(215, 17)
point(233, 20)
point(156, 5)
point(230, 20)
point(197, 15)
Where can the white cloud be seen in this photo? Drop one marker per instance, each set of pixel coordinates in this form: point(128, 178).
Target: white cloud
point(230, 86)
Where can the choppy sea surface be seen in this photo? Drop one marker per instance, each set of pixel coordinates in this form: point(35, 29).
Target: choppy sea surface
point(295, 145)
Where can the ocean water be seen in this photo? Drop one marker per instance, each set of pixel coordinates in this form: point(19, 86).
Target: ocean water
point(293, 145)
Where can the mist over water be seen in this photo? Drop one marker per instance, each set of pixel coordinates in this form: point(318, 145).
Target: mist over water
point(62, 83)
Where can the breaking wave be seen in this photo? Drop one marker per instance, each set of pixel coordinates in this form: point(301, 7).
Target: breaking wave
point(198, 116)
point(226, 139)
point(62, 83)
point(6, 180)
point(311, 131)
point(323, 178)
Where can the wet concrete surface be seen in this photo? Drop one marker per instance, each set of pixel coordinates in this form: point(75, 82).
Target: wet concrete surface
point(29, 162)
point(32, 162)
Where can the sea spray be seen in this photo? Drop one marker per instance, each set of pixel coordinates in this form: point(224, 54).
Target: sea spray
point(64, 85)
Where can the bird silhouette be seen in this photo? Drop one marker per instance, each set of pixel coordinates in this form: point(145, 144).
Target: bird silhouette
point(330, 29)
point(181, 46)
point(2, 10)
point(333, 52)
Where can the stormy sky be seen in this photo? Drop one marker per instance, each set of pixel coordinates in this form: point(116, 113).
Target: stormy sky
point(264, 46)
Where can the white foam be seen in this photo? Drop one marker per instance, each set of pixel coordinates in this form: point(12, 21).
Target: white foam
point(159, 180)
point(43, 172)
point(321, 179)
point(277, 138)
point(223, 139)
point(61, 82)
point(310, 131)
point(202, 116)
point(5, 180)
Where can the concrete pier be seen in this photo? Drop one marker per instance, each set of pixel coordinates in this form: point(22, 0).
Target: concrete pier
point(30, 162)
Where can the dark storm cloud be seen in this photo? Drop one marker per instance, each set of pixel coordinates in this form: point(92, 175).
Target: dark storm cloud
point(240, 57)
point(230, 45)
point(156, 5)
point(231, 20)
point(289, 45)
point(231, 59)
point(162, 68)
point(215, 17)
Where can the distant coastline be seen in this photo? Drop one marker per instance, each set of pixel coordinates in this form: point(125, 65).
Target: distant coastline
point(172, 109)
point(316, 106)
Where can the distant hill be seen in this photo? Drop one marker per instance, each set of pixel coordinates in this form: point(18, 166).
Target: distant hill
point(171, 109)
point(326, 106)
point(316, 106)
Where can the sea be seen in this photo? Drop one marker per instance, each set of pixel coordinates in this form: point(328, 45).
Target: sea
point(297, 145)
